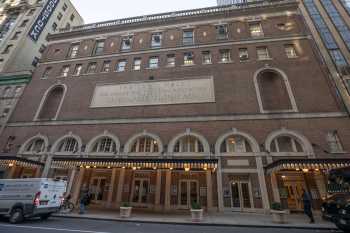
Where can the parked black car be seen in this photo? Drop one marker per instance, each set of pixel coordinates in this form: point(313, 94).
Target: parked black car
point(342, 220)
point(333, 204)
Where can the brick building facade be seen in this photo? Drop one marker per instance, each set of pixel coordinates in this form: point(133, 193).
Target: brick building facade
point(227, 106)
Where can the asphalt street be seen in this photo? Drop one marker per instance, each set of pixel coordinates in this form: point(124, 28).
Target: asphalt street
point(64, 225)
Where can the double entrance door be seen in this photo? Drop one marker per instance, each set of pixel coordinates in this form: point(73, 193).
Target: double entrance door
point(241, 195)
point(140, 191)
point(188, 193)
point(98, 189)
point(294, 188)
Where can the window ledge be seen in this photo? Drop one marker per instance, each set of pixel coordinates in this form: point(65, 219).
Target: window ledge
point(338, 152)
point(265, 59)
point(116, 71)
point(207, 64)
point(148, 68)
point(293, 57)
point(225, 62)
point(243, 61)
point(188, 65)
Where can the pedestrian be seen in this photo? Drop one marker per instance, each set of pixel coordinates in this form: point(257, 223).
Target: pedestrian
point(307, 201)
point(84, 200)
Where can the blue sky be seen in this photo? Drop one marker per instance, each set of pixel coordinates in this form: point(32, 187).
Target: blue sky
point(102, 10)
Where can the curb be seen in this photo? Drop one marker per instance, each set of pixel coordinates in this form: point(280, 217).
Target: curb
point(198, 224)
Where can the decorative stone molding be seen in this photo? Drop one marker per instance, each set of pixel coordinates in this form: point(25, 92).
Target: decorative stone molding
point(304, 142)
point(253, 143)
point(43, 100)
point(267, 67)
point(130, 142)
point(189, 132)
point(26, 143)
point(69, 135)
point(105, 134)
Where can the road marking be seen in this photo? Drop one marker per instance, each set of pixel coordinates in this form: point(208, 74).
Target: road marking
point(51, 228)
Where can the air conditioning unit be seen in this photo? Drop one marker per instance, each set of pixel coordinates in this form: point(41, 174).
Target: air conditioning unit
point(243, 57)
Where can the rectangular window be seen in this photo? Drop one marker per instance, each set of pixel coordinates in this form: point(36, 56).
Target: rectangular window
point(156, 40)
point(31, 12)
point(243, 54)
point(221, 32)
point(137, 64)
point(171, 60)
point(262, 53)
point(65, 71)
point(24, 23)
point(72, 16)
point(106, 66)
point(7, 49)
point(225, 55)
point(187, 37)
point(47, 73)
point(91, 68)
point(16, 35)
point(99, 47)
point(59, 16)
point(73, 51)
point(188, 59)
point(121, 66)
point(290, 51)
point(126, 43)
point(78, 69)
point(64, 8)
point(153, 62)
point(256, 30)
point(348, 85)
point(54, 26)
point(206, 57)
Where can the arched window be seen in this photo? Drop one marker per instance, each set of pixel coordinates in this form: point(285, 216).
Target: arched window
point(50, 107)
point(145, 145)
point(235, 144)
point(286, 144)
point(35, 146)
point(274, 91)
point(188, 143)
point(104, 145)
point(68, 144)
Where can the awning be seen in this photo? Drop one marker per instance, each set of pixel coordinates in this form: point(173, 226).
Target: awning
point(10, 161)
point(15, 78)
point(310, 164)
point(135, 163)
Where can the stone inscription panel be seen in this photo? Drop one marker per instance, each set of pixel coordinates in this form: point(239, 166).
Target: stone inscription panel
point(154, 93)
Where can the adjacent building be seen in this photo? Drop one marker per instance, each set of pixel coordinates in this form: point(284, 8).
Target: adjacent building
point(329, 22)
point(229, 106)
point(230, 2)
point(24, 27)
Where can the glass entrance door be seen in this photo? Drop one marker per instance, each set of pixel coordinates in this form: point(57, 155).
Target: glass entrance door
point(97, 189)
point(188, 193)
point(241, 195)
point(140, 191)
point(295, 192)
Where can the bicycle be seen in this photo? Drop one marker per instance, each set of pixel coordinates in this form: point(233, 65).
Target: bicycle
point(67, 206)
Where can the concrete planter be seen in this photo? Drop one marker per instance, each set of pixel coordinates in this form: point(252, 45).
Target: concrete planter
point(197, 215)
point(279, 216)
point(125, 212)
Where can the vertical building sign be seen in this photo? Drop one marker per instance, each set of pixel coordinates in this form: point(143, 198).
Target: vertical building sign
point(42, 19)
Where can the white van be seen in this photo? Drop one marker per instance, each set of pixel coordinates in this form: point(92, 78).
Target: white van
point(25, 198)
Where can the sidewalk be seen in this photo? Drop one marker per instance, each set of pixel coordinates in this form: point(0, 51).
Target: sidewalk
point(217, 219)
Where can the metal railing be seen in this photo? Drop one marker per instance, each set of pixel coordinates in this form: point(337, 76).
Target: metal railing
point(176, 14)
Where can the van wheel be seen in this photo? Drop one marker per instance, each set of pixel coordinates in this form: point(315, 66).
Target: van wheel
point(45, 216)
point(16, 216)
